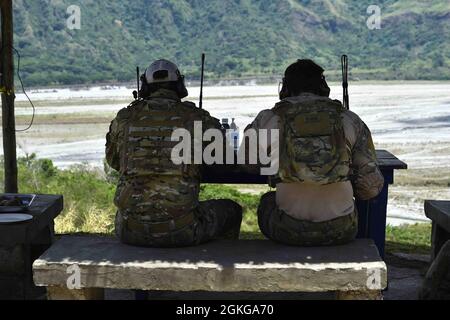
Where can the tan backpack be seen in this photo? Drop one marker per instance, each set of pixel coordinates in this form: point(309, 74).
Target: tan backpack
point(313, 147)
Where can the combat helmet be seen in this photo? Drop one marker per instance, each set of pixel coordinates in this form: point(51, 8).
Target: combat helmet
point(163, 71)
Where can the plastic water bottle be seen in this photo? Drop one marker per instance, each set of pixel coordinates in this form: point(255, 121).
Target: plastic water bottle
point(234, 134)
point(225, 124)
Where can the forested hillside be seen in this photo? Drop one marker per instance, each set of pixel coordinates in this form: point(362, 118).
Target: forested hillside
point(240, 37)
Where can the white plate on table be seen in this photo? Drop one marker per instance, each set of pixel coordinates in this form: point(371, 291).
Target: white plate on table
point(9, 218)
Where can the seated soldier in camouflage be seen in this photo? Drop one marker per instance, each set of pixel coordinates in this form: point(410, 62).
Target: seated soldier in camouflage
point(158, 201)
point(326, 158)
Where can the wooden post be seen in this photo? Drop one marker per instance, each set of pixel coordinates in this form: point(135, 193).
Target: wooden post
point(8, 96)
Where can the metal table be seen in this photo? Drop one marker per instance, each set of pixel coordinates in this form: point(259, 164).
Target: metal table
point(372, 213)
point(22, 243)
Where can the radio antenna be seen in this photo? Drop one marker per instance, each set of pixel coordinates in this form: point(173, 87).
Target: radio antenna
point(344, 64)
point(136, 93)
point(201, 82)
point(137, 79)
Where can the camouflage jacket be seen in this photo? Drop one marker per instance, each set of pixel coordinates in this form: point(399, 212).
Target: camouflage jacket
point(139, 145)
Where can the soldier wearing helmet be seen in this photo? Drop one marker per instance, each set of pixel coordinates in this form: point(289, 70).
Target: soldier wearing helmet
point(158, 201)
point(326, 158)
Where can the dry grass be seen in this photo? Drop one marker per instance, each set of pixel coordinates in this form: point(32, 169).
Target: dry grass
point(95, 220)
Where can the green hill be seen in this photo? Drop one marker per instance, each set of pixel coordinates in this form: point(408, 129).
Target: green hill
point(240, 37)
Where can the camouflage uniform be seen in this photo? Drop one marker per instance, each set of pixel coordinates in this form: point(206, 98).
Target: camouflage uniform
point(316, 149)
point(279, 226)
point(157, 200)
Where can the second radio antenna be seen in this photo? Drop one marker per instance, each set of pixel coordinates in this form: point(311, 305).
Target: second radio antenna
point(200, 104)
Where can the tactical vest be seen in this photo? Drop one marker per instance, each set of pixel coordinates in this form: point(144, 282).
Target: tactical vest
point(313, 147)
point(154, 188)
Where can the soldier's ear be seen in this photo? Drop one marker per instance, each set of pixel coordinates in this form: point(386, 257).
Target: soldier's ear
point(324, 88)
point(181, 88)
point(284, 92)
point(144, 92)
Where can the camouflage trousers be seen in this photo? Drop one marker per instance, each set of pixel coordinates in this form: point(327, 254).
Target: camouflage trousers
point(279, 226)
point(211, 220)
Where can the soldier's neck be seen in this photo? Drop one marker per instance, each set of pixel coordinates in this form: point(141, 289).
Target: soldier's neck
point(165, 93)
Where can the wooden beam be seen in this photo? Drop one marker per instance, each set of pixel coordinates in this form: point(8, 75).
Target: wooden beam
point(8, 96)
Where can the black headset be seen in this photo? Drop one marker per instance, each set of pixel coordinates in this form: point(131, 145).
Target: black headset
point(284, 92)
point(324, 89)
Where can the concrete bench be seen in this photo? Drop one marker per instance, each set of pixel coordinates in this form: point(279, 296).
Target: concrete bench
point(439, 213)
point(353, 271)
point(436, 285)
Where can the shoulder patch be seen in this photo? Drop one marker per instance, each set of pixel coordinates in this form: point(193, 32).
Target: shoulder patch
point(189, 104)
point(126, 112)
point(281, 104)
point(123, 113)
point(135, 103)
point(339, 103)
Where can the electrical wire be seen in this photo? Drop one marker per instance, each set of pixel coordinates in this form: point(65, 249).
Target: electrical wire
point(24, 92)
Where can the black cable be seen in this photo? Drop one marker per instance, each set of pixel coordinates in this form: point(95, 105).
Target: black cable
point(24, 92)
